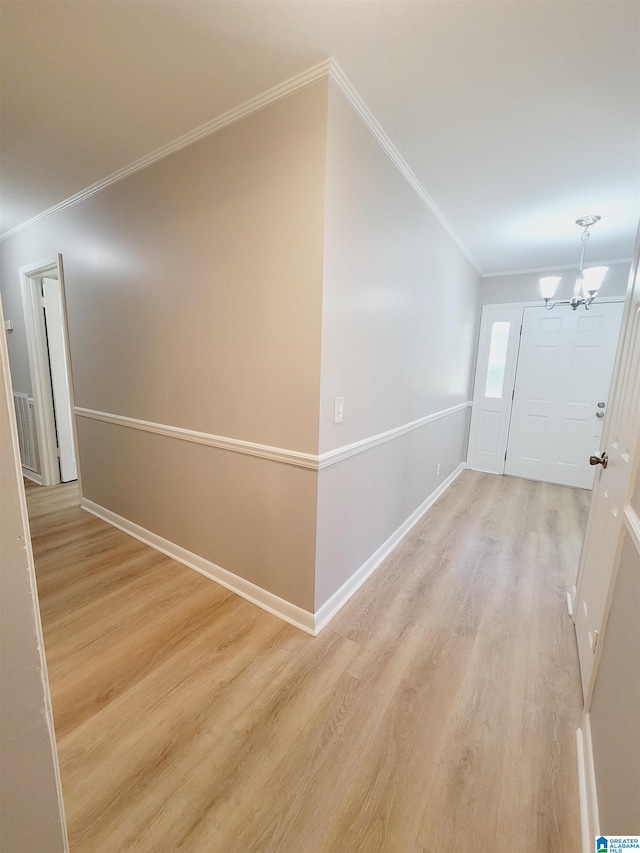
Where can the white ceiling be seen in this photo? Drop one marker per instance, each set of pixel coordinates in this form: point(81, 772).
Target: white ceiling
point(517, 116)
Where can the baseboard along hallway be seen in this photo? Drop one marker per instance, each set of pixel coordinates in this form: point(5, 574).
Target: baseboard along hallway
point(437, 711)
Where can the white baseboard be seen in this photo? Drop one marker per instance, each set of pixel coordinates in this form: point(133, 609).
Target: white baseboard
point(305, 620)
point(30, 475)
point(329, 609)
point(589, 818)
point(273, 604)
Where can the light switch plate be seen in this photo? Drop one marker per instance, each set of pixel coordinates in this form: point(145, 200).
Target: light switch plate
point(338, 410)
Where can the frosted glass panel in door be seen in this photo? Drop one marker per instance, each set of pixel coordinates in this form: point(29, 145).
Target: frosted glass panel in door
point(497, 349)
point(497, 359)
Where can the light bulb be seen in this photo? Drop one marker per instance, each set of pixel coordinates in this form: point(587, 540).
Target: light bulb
point(548, 286)
point(592, 279)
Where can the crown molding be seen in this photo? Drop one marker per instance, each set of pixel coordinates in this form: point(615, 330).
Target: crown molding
point(337, 75)
point(328, 68)
point(294, 84)
point(613, 263)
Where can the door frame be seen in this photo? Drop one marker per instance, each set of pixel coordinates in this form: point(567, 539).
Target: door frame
point(624, 394)
point(629, 522)
point(511, 367)
point(511, 313)
point(30, 275)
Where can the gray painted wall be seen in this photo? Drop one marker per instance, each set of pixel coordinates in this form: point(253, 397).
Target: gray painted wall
point(399, 316)
point(30, 809)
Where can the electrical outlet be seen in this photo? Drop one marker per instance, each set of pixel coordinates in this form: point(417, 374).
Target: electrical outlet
point(438, 470)
point(338, 410)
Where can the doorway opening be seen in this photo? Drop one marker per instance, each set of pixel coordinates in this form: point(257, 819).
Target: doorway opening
point(49, 427)
point(541, 390)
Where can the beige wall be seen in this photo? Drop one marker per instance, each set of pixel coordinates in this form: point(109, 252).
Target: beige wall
point(235, 288)
point(194, 293)
point(30, 809)
point(398, 336)
point(525, 287)
point(615, 708)
point(194, 286)
point(251, 516)
point(635, 498)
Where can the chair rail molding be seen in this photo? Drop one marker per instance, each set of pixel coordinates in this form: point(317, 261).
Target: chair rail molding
point(314, 462)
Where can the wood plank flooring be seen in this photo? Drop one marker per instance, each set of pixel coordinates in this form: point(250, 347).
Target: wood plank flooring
point(437, 712)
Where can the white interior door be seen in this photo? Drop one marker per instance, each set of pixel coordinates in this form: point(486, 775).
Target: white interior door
point(610, 507)
point(495, 373)
point(55, 330)
point(40, 369)
point(562, 384)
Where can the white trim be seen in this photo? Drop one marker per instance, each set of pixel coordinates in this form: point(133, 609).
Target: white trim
point(337, 75)
point(250, 448)
point(294, 84)
point(39, 365)
point(273, 604)
point(632, 523)
point(585, 835)
point(613, 263)
point(589, 817)
point(311, 461)
point(328, 68)
point(330, 457)
point(31, 475)
point(311, 623)
point(339, 598)
point(33, 585)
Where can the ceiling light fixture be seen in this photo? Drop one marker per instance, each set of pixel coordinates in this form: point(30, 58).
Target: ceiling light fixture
point(587, 281)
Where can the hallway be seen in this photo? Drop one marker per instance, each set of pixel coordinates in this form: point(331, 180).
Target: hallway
point(436, 712)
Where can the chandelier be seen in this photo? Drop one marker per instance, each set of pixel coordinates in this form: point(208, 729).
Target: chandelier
point(588, 281)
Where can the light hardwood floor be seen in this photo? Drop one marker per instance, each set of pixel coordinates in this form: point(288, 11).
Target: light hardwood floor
point(436, 713)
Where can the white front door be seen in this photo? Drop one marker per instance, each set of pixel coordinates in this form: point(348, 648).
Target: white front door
point(610, 505)
point(562, 384)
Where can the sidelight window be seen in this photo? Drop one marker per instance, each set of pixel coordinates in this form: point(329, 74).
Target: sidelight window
point(497, 359)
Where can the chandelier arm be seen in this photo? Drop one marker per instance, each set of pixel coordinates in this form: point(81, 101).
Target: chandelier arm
point(581, 296)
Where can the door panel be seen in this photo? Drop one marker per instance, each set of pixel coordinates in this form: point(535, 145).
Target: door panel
point(610, 504)
point(590, 610)
point(564, 370)
point(495, 372)
point(60, 378)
